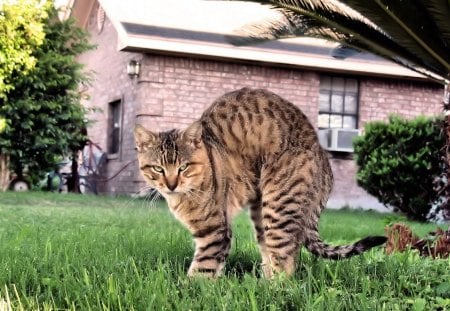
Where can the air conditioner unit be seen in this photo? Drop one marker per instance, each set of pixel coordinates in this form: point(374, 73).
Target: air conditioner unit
point(337, 139)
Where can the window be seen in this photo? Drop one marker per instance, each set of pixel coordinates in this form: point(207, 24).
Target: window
point(114, 127)
point(338, 103)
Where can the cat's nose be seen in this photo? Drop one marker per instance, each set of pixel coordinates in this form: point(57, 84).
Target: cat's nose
point(172, 186)
point(171, 182)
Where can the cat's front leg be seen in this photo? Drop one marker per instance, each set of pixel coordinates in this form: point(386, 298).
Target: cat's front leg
point(212, 246)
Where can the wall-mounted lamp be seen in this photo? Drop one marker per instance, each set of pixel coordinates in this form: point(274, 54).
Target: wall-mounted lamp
point(133, 68)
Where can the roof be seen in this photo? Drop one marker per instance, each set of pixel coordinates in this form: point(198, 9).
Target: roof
point(198, 28)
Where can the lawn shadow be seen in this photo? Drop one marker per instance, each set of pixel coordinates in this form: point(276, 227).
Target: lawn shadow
point(239, 264)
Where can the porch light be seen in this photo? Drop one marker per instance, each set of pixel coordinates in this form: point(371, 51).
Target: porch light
point(133, 68)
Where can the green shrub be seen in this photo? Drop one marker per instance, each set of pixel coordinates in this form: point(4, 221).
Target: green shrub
point(398, 162)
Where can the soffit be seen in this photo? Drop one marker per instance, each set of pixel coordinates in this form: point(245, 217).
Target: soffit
point(198, 28)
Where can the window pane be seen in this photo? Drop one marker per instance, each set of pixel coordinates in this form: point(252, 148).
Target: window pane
point(351, 85)
point(114, 148)
point(337, 103)
point(324, 120)
point(325, 83)
point(349, 122)
point(114, 127)
point(338, 84)
point(335, 121)
point(350, 104)
point(115, 112)
point(324, 102)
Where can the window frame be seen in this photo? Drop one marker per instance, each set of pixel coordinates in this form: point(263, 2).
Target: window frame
point(329, 92)
point(114, 144)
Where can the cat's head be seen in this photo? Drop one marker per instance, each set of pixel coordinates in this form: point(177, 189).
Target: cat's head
point(172, 162)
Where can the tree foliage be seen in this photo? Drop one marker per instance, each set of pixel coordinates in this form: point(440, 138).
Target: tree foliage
point(44, 117)
point(21, 32)
point(398, 162)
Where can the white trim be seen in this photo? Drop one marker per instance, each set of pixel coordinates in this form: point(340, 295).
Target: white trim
point(351, 65)
point(225, 18)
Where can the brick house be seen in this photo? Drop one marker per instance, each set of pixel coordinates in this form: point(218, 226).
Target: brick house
point(184, 67)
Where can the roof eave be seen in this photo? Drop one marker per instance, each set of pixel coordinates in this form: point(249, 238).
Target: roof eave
point(257, 55)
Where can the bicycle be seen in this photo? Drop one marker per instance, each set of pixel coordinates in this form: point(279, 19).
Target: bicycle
point(90, 169)
point(90, 164)
point(58, 182)
point(92, 160)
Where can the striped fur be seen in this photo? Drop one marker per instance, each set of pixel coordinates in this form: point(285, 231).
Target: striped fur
point(252, 149)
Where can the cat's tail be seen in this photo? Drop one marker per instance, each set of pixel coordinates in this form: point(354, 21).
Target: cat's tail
point(319, 248)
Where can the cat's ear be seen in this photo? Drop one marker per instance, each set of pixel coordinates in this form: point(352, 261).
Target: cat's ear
point(143, 137)
point(193, 134)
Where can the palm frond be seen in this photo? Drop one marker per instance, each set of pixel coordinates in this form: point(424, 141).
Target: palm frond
point(333, 22)
point(439, 10)
point(410, 26)
point(268, 30)
point(354, 44)
point(386, 28)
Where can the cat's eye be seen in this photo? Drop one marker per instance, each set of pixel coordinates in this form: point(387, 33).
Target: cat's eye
point(183, 167)
point(157, 168)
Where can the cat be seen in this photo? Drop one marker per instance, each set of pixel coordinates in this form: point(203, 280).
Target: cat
point(250, 148)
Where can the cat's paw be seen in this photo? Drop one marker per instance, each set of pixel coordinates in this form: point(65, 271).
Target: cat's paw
point(196, 271)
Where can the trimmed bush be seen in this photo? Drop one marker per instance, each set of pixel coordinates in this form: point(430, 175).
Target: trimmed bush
point(398, 162)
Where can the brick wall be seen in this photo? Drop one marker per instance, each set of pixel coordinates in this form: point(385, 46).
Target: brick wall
point(379, 98)
point(110, 82)
point(171, 92)
point(176, 90)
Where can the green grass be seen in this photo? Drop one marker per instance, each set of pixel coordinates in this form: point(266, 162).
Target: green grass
point(96, 253)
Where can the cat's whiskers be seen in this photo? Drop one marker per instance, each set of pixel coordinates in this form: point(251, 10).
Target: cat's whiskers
point(133, 197)
point(153, 197)
point(150, 196)
point(142, 193)
point(196, 194)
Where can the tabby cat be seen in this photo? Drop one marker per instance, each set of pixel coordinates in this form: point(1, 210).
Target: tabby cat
point(252, 149)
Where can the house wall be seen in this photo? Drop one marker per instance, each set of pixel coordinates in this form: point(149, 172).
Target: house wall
point(172, 91)
point(381, 97)
point(110, 82)
point(378, 98)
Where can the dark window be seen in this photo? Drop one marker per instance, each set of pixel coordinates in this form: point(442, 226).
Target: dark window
point(114, 127)
point(338, 103)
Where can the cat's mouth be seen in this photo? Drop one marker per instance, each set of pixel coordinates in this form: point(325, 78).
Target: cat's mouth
point(173, 192)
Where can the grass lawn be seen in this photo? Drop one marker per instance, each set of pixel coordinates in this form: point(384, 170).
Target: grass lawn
point(96, 253)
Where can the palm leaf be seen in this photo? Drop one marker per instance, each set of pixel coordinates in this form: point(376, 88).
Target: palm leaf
point(440, 12)
point(332, 22)
point(268, 30)
point(316, 14)
point(411, 26)
point(401, 39)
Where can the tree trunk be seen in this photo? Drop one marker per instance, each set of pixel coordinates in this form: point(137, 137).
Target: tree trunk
point(73, 182)
point(4, 172)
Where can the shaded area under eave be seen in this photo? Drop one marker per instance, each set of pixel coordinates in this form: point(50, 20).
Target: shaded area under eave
point(305, 53)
